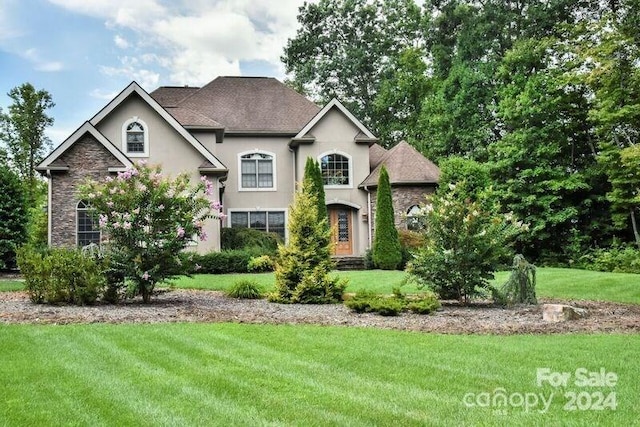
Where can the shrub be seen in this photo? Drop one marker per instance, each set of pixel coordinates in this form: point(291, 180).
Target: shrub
point(387, 254)
point(260, 264)
point(617, 259)
point(61, 276)
point(410, 241)
point(361, 301)
point(425, 303)
point(223, 262)
point(245, 289)
point(388, 306)
point(255, 241)
point(304, 264)
point(520, 288)
point(464, 246)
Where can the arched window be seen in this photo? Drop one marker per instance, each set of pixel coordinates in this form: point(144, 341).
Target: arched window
point(257, 171)
point(87, 229)
point(135, 138)
point(336, 170)
point(414, 218)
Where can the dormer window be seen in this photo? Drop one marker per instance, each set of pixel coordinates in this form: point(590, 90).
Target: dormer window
point(135, 138)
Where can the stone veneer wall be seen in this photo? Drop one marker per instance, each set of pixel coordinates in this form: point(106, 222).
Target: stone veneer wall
point(87, 158)
point(403, 198)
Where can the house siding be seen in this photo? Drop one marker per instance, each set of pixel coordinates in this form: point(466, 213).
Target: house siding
point(87, 158)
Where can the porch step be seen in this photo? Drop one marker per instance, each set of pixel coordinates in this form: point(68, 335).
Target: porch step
point(349, 262)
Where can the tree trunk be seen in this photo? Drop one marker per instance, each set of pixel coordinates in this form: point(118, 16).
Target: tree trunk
point(635, 227)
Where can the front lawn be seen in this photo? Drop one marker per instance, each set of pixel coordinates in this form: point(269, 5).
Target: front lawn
point(562, 283)
point(234, 374)
point(11, 285)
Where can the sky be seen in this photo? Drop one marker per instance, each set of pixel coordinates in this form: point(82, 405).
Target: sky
point(84, 52)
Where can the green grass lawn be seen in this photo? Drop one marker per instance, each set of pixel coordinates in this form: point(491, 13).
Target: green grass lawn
point(551, 283)
point(233, 374)
point(11, 285)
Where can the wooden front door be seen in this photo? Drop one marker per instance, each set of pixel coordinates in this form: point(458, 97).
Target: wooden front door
point(340, 219)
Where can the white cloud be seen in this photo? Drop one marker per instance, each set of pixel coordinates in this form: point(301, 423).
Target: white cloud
point(148, 79)
point(39, 63)
point(121, 42)
point(104, 94)
point(194, 40)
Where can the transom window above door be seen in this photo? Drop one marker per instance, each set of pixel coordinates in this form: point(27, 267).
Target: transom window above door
point(257, 171)
point(336, 170)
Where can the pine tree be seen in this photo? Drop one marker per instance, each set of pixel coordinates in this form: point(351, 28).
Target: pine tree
point(387, 253)
point(304, 263)
point(313, 182)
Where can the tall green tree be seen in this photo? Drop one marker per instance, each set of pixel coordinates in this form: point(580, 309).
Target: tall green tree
point(304, 263)
point(343, 48)
point(13, 217)
point(22, 128)
point(387, 253)
point(313, 183)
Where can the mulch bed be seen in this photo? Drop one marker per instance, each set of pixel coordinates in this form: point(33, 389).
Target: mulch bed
point(213, 306)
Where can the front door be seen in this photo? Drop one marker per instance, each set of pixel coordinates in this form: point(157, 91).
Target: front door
point(340, 219)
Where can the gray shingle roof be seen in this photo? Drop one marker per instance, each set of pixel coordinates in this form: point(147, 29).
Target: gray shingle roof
point(376, 153)
point(170, 96)
point(187, 117)
point(243, 104)
point(405, 165)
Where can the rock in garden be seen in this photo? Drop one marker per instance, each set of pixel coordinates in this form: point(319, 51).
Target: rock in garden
point(561, 312)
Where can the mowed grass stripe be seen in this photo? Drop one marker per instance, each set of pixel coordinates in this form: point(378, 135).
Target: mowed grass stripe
point(228, 374)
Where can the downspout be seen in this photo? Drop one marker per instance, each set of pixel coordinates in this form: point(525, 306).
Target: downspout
point(369, 219)
point(49, 196)
point(294, 151)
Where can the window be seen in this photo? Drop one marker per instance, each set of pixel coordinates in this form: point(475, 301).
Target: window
point(86, 227)
point(270, 221)
point(415, 219)
point(135, 138)
point(336, 169)
point(257, 171)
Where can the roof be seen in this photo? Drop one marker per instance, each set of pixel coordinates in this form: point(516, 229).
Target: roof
point(189, 118)
point(243, 104)
point(170, 96)
point(405, 166)
point(376, 153)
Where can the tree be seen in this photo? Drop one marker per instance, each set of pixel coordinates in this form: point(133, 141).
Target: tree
point(22, 129)
point(149, 220)
point(313, 182)
point(344, 47)
point(464, 245)
point(13, 217)
point(304, 263)
point(387, 253)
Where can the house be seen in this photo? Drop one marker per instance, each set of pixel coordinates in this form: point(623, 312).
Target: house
point(251, 137)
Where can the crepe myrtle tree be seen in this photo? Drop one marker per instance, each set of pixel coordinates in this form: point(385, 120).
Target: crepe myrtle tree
point(465, 243)
point(149, 219)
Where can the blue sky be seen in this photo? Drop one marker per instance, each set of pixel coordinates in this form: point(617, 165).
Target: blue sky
point(85, 51)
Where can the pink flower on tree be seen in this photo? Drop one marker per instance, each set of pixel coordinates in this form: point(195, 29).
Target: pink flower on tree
point(180, 232)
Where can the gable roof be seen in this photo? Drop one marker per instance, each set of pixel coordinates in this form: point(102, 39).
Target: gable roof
point(46, 164)
point(134, 88)
point(364, 136)
point(244, 104)
point(405, 166)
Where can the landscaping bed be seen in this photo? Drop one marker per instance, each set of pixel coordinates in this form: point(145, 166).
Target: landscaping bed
point(182, 305)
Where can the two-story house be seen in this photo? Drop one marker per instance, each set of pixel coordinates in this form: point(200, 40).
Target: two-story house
point(251, 137)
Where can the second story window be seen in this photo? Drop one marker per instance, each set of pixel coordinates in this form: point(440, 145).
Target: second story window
point(135, 138)
point(336, 170)
point(257, 171)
